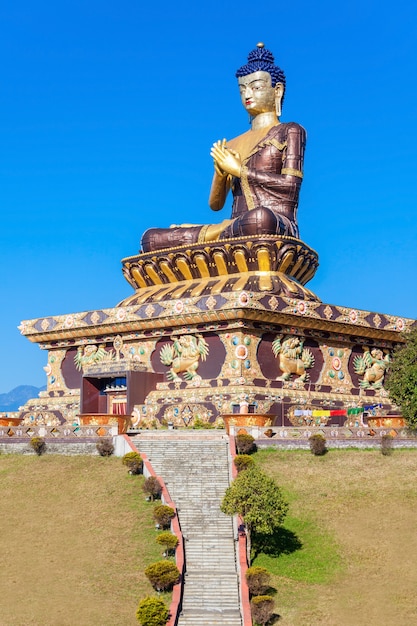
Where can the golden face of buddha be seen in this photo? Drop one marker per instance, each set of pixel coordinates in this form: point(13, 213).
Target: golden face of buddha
point(257, 94)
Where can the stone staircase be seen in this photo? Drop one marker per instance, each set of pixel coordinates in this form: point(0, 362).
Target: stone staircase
point(195, 468)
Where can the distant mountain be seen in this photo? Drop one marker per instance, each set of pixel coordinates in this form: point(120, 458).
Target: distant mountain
point(18, 396)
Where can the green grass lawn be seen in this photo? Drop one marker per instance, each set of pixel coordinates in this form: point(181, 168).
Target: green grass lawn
point(348, 551)
point(76, 537)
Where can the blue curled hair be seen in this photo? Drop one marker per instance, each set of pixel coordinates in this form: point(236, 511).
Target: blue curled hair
point(262, 60)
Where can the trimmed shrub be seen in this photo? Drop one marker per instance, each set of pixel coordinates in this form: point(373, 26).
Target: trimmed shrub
point(198, 423)
point(163, 575)
point(245, 444)
point(317, 444)
point(133, 462)
point(386, 445)
point(243, 461)
point(105, 447)
point(262, 608)
point(38, 445)
point(168, 540)
point(163, 515)
point(152, 612)
point(152, 487)
point(258, 579)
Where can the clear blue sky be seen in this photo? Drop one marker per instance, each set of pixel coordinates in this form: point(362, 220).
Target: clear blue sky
point(107, 114)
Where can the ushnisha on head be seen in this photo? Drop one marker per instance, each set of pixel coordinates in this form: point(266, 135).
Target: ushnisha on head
point(261, 83)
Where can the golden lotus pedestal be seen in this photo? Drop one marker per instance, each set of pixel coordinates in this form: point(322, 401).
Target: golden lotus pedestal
point(275, 264)
point(244, 420)
point(102, 419)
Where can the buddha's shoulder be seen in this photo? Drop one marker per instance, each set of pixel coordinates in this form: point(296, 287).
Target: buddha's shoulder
point(286, 128)
point(274, 131)
point(245, 143)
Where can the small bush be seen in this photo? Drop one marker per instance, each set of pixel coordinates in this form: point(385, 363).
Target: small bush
point(262, 608)
point(38, 445)
point(163, 515)
point(258, 579)
point(317, 444)
point(162, 575)
point(198, 423)
point(245, 444)
point(105, 447)
point(152, 612)
point(168, 540)
point(133, 462)
point(386, 445)
point(243, 461)
point(152, 487)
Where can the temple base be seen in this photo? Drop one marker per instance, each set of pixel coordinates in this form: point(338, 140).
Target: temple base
point(189, 356)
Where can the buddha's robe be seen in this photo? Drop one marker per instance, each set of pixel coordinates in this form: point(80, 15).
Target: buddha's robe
point(265, 196)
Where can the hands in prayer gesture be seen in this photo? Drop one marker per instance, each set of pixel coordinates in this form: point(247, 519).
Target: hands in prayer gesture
point(226, 160)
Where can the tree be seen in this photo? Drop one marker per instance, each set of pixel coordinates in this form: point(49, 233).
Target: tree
point(168, 540)
point(245, 443)
point(152, 612)
point(317, 444)
point(133, 462)
point(401, 380)
point(258, 579)
point(38, 444)
point(152, 487)
point(258, 500)
point(262, 608)
point(105, 447)
point(243, 461)
point(163, 575)
point(163, 515)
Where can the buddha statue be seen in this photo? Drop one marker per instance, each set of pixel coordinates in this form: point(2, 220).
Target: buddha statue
point(263, 167)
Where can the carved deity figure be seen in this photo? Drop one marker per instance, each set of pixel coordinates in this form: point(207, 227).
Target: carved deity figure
point(373, 365)
point(262, 167)
point(184, 355)
point(91, 354)
point(293, 357)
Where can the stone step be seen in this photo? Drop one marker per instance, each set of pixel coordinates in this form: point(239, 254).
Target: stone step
point(203, 434)
point(222, 562)
point(210, 618)
point(212, 569)
point(227, 611)
point(212, 598)
point(207, 601)
point(208, 552)
point(196, 472)
point(181, 455)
